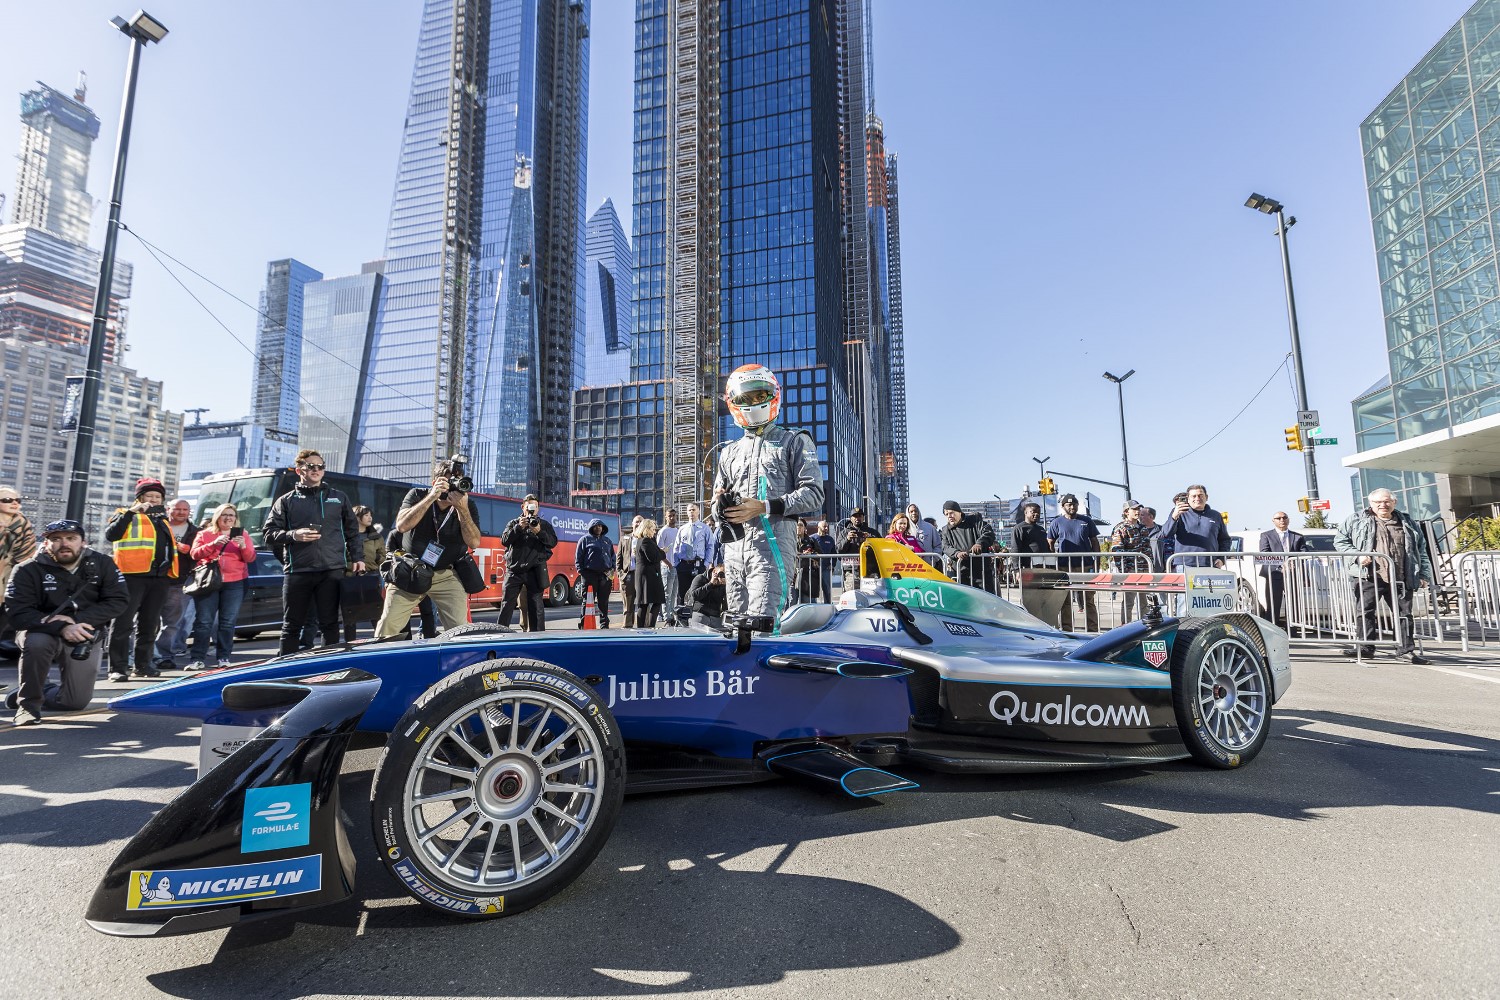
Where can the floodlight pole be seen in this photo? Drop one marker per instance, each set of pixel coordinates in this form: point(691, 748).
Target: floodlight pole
point(1119, 381)
point(93, 378)
point(1270, 206)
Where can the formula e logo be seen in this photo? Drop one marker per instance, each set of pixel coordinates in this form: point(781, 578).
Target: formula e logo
point(1155, 651)
point(275, 817)
point(277, 812)
point(1007, 706)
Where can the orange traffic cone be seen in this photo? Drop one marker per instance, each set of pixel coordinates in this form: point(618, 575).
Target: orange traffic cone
point(590, 611)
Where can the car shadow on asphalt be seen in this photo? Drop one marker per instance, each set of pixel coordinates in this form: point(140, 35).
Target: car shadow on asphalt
point(692, 892)
point(91, 756)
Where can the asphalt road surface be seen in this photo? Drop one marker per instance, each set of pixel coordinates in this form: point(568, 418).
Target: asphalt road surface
point(1357, 857)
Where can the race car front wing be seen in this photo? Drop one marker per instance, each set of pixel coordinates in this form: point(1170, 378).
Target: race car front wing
point(258, 835)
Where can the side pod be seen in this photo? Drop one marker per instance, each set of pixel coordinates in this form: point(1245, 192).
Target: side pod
point(257, 836)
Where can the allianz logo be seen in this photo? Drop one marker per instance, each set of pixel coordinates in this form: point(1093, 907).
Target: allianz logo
point(1008, 706)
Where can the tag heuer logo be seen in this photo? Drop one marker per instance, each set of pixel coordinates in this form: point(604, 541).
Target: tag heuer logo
point(1155, 651)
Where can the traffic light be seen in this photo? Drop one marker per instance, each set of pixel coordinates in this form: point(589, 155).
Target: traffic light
point(1047, 487)
point(1303, 506)
point(1294, 438)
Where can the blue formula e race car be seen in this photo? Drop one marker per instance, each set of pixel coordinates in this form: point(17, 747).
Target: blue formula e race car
point(507, 754)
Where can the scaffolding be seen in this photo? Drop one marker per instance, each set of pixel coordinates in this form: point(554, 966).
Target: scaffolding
point(693, 232)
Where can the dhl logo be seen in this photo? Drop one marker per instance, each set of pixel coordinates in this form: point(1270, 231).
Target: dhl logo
point(885, 558)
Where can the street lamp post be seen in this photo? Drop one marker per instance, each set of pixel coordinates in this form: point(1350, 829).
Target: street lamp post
point(141, 29)
point(1270, 206)
point(1119, 381)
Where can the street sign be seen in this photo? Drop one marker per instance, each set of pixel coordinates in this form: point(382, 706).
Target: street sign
point(1320, 504)
point(1308, 418)
point(1324, 441)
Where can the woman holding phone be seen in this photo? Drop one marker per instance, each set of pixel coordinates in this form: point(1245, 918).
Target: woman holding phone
point(227, 543)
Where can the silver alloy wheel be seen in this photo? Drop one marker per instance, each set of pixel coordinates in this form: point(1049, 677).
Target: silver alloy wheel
point(1232, 694)
point(504, 791)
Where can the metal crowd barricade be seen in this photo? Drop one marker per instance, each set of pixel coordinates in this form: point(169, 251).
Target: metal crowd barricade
point(1477, 575)
point(841, 570)
point(996, 572)
point(1003, 576)
point(1321, 597)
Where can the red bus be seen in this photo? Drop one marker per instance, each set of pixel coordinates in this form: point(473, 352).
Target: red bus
point(252, 491)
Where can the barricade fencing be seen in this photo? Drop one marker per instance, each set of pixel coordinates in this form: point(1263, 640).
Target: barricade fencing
point(999, 573)
point(1322, 597)
point(1316, 595)
point(1477, 576)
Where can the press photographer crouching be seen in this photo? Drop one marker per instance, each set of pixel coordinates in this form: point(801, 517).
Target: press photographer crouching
point(61, 602)
point(529, 541)
point(439, 525)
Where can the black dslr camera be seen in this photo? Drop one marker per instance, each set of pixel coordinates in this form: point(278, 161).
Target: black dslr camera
point(457, 479)
point(79, 650)
point(727, 532)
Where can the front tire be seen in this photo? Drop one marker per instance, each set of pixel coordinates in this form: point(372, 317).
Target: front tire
point(1221, 691)
point(498, 788)
point(557, 592)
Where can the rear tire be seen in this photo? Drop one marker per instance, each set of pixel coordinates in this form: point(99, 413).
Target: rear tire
point(498, 788)
point(557, 592)
point(1221, 691)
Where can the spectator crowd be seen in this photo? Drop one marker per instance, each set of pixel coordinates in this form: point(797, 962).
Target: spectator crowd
point(163, 589)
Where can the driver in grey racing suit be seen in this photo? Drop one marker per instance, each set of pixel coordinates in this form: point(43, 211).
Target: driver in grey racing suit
point(776, 474)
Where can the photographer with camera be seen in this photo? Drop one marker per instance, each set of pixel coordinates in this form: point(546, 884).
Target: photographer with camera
point(146, 551)
point(529, 541)
point(440, 525)
point(315, 525)
point(764, 480)
point(60, 602)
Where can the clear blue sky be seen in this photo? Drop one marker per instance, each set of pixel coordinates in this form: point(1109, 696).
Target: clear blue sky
point(1072, 188)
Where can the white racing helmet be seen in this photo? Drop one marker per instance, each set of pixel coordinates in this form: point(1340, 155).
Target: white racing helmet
point(754, 396)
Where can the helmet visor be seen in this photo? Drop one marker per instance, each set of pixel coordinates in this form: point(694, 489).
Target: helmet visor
point(754, 394)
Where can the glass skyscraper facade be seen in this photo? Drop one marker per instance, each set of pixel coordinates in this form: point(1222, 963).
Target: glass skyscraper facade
point(339, 316)
point(608, 269)
point(759, 239)
point(1432, 167)
point(479, 334)
point(278, 345)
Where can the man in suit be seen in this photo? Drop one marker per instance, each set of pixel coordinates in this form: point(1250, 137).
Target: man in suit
point(1279, 539)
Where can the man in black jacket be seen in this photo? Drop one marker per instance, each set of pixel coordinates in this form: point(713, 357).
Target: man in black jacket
point(60, 602)
point(317, 527)
point(964, 537)
point(529, 541)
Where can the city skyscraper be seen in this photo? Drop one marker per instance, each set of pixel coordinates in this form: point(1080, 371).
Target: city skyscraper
point(750, 118)
point(48, 276)
point(339, 317)
point(608, 269)
point(278, 345)
point(474, 350)
point(1429, 429)
point(48, 271)
point(57, 136)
